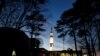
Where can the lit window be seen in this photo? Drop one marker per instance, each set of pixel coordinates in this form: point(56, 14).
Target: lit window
point(62, 54)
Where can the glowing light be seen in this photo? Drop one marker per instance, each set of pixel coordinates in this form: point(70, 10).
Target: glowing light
point(13, 53)
point(51, 40)
point(51, 48)
point(51, 34)
point(62, 54)
point(85, 55)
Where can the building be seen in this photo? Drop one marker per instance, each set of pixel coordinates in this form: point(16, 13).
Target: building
point(60, 53)
point(64, 53)
point(51, 40)
point(70, 52)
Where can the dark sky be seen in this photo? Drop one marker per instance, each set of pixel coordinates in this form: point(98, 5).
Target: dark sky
point(55, 9)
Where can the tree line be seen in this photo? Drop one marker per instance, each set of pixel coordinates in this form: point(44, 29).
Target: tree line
point(82, 22)
point(21, 14)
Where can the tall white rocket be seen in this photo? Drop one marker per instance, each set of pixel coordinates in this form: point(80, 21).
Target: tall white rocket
point(51, 40)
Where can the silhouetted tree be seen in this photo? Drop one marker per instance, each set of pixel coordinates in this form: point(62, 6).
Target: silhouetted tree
point(1, 5)
point(97, 29)
point(22, 14)
point(67, 25)
point(34, 45)
point(35, 23)
point(14, 14)
point(81, 19)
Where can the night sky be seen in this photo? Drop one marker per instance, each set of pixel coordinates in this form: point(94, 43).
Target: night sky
point(55, 9)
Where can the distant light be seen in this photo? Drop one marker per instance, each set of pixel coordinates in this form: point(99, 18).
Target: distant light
point(13, 53)
point(51, 34)
point(85, 55)
point(51, 40)
point(63, 54)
